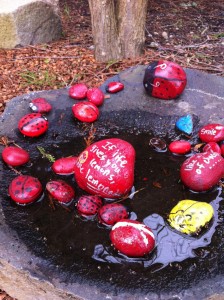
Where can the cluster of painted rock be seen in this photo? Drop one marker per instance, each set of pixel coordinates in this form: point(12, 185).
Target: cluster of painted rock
point(88, 111)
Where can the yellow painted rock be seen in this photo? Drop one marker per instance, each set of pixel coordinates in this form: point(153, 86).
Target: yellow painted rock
point(190, 216)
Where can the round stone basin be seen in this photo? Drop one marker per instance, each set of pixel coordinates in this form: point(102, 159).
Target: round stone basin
point(58, 255)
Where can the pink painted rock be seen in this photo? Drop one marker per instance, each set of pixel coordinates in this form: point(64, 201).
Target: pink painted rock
point(78, 91)
point(202, 171)
point(106, 168)
point(111, 213)
point(180, 147)
point(85, 111)
point(15, 156)
point(212, 147)
point(132, 238)
point(64, 165)
point(96, 96)
point(89, 205)
point(114, 87)
point(25, 189)
point(212, 133)
point(61, 191)
point(40, 105)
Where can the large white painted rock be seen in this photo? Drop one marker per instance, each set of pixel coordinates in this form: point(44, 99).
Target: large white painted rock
point(28, 22)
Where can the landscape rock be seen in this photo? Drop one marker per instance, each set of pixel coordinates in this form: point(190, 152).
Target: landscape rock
point(28, 22)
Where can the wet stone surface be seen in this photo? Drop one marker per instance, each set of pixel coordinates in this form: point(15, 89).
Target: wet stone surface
point(51, 250)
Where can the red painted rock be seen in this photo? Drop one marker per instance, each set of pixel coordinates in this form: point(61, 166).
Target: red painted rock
point(96, 96)
point(40, 105)
point(212, 147)
point(114, 87)
point(64, 165)
point(212, 133)
point(164, 79)
point(78, 91)
point(85, 111)
point(25, 189)
point(111, 213)
point(222, 148)
point(106, 168)
point(202, 171)
point(60, 191)
point(132, 238)
point(33, 125)
point(180, 147)
point(15, 156)
point(89, 205)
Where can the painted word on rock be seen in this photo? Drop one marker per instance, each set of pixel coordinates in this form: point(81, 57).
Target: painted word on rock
point(106, 168)
point(202, 171)
point(164, 79)
point(132, 238)
point(190, 216)
point(212, 133)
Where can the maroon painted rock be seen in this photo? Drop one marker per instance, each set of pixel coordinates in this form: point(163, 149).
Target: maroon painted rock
point(15, 156)
point(33, 125)
point(96, 96)
point(212, 147)
point(40, 105)
point(202, 171)
point(114, 87)
point(164, 79)
point(132, 238)
point(61, 191)
point(180, 147)
point(111, 213)
point(25, 189)
point(64, 165)
point(211, 133)
point(78, 91)
point(89, 205)
point(106, 168)
point(85, 112)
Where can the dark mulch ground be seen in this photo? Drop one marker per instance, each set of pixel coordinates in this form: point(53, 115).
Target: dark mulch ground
point(188, 32)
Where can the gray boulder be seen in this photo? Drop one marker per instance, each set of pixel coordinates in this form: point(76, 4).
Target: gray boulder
point(28, 22)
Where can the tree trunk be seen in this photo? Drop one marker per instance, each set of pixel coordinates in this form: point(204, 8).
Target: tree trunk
point(118, 28)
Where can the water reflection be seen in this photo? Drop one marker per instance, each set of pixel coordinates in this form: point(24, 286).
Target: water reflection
point(171, 246)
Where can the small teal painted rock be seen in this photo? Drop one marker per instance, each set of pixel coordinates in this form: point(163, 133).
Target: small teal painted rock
point(185, 124)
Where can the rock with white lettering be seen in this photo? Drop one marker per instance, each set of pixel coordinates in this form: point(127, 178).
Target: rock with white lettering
point(106, 168)
point(202, 171)
point(212, 133)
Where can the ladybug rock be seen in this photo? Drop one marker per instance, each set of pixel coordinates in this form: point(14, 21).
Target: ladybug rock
point(33, 125)
point(111, 213)
point(106, 168)
point(164, 80)
point(212, 133)
point(89, 205)
point(202, 171)
point(15, 156)
point(132, 238)
point(60, 191)
point(64, 165)
point(25, 189)
point(96, 96)
point(40, 105)
point(85, 112)
point(78, 91)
